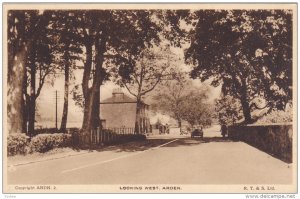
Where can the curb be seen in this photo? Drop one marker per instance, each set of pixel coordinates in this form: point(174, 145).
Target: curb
point(49, 159)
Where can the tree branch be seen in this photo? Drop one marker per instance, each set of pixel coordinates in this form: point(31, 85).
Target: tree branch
point(87, 70)
point(136, 79)
point(41, 82)
point(259, 108)
point(165, 75)
point(149, 90)
point(129, 90)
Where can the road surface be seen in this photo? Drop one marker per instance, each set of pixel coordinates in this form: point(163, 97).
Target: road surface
point(171, 159)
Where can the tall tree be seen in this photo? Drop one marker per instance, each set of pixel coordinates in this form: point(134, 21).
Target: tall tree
point(229, 110)
point(101, 32)
point(29, 60)
point(248, 52)
point(183, 101)
point(67, 50)
point(39, 60)
point(196, 110)
point(102, 42)
point(152, 67)
point(94, 34)
point(171, 96)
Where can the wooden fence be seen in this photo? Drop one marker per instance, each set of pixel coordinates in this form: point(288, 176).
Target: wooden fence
point(99, 136)
point(122, 130)
point(109, 136)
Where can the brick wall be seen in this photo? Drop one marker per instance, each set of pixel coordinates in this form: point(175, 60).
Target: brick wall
point(274, 139)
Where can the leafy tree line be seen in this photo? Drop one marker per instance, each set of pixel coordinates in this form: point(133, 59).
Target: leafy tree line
point(247, 52)
point(42, 43)
point(30, 60)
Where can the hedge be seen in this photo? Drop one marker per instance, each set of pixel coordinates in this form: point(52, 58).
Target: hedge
point(21, 144)
point(45, 142)
point(17, 143)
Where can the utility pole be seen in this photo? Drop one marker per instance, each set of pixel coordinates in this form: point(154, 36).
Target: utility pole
point(56, 109)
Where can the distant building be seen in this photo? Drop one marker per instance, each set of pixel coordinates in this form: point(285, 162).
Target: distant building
point(119, 113)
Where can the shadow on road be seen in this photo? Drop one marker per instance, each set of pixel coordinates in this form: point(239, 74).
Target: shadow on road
point(135, 146)
point(196, 141)
point(151, 143)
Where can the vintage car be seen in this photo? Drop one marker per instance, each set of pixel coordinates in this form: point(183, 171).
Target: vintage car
point(198, 132)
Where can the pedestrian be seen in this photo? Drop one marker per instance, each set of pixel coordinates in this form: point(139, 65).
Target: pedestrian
point(167, 129)
point(224, 130)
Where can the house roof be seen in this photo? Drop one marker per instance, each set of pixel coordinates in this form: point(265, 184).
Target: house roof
point(120, 99)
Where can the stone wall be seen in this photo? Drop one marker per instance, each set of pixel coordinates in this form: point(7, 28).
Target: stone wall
point(275, 140)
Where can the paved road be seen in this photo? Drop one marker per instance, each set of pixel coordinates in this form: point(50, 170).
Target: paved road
point(170, 161)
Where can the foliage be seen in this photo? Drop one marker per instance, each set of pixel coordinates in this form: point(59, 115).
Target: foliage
point(54, 39)
point(77, 96)
point(170, 98)
point(17, 143)
point(100, 34)
point(40, 44)
point(229, 110)
point(277, 116)
point(196, 111)
point(45, 142)
point(68, 51)
point(134, 58)
point(30, 41)
point(183, 101)
point(152, 66)
point(248, 52)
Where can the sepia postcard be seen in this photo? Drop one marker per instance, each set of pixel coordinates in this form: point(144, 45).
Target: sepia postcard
point(150, 98)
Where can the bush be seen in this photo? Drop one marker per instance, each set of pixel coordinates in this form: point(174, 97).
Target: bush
point(277, 116)
point(17, 143)
point(45, 142)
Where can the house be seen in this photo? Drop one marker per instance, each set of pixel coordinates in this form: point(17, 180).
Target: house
point(118, 113)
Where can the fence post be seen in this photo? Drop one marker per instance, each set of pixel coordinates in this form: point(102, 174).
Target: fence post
point(97, 136)
point(107, 135)
point(100, 136)
point(90, 136)
point(103, 136)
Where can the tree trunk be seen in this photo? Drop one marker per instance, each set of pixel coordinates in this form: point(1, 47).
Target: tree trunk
point(85, 84)
point(91, 110)
point(138, 117)
point(16, 66)
point(31, 105)
point(15, 103)
point(85, 124)
point(25, 102)
point(91, 106)
point(179, 122)
point(246, 110)
point(92, 99)
point(96, 109)
point(245, 103)
point(66, 93)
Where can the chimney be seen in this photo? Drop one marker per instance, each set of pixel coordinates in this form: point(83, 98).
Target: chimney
point(118, 94)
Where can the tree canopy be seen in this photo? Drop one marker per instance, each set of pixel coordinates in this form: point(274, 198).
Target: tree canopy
point(184, 102)
point(247, 52)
